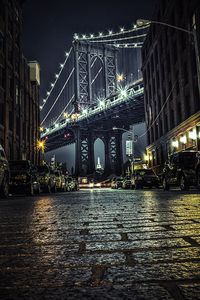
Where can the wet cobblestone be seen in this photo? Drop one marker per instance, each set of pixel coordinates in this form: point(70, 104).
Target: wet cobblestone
point(101, 244)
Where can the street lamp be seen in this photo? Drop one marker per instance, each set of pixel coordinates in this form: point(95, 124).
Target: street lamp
point(130, 145)
point(143, 22)
point(41, 148)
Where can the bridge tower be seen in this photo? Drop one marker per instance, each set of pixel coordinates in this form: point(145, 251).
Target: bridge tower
point(95, 72)
point(95, 78)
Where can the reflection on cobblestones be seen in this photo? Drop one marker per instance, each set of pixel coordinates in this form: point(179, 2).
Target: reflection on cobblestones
point(101, 244)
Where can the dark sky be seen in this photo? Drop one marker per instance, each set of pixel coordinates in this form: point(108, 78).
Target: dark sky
point(48, 26)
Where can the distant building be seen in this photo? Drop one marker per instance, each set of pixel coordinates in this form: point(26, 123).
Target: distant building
point(99, 167)
point(19, 88)
point(172, 101)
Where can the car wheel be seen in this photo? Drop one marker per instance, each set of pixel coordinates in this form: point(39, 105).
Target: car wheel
point(5, 187)
point(137, 186)
point(30, 191)
point(48, 189)
point(54, 189)
point(38, 191)
point(165, 184)
point(183, 184)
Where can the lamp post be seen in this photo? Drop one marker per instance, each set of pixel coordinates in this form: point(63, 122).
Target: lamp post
point(142, 22)
point(130, 145)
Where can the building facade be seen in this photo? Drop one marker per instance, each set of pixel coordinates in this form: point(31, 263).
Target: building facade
point(19, 88)
point(170, 72)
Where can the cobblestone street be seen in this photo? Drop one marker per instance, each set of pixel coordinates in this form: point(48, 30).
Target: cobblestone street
point(101, 244)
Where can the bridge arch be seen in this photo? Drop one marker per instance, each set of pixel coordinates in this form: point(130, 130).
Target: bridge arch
point(97, 79)
point(99, 151)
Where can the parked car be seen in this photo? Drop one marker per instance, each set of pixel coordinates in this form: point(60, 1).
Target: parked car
point(117, 183)
point(127, 183)
point(47, 181)
point(60, 181)
point(145, 178)
point(198, 170)
point(72, 184)
point(4, 174)
point(106, 183)
point(23, 178)
point(181, 170)
point(113, 183)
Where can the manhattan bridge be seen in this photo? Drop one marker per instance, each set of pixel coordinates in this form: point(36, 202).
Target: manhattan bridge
point(98, 87)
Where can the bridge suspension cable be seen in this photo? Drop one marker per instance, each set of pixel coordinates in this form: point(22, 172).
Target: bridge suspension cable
point(57, 77)
point(110, 33)
point(64, 108)
point(119, 39)
point(128, 45)
point(58, 96)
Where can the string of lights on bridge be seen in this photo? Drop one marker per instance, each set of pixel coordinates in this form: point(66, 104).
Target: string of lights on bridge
point(57, 75)
point(114, 39)
point(110, 33)
point(123, 94)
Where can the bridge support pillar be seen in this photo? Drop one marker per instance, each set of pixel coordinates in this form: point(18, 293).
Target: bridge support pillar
point(119, 154)
point(77, 151)
point(84, 158)
point(107, 169)
point(113, 153)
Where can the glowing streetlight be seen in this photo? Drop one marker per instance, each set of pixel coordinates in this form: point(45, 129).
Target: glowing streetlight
point(41, 148)
point(120, 77)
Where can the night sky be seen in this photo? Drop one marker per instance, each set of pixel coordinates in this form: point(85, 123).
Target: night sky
point(48, 28)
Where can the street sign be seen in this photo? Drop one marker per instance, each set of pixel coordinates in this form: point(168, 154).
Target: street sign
point(129, 148)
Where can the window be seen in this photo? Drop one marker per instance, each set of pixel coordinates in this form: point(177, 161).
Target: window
point(2, 154)
point(10, 120)
point(1, 113)
point(1, 42)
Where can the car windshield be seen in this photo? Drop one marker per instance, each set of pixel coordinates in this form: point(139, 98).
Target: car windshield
point(43, 169)
point(188, 158)
point(19, 165)
point(119, 179)
point(144, 172)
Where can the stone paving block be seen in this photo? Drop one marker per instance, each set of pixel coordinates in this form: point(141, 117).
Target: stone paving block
point(190, 291)
point(162, 235)
point(158, 272)
point(136, 245)
point(102, 244)
point(128, 292)
point(180, 254)
point(127, 230)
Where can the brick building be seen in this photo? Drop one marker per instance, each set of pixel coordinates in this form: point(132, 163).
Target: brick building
point(19, 88)
point(172, 99)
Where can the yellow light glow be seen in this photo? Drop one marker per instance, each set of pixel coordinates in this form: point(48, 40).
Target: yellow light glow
point(193, 134)
point(41, 129)
point(120, 77)
point(175, 144)
point(65, 115)
point(41, 145)
point(183, 139)
point(146, 157)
